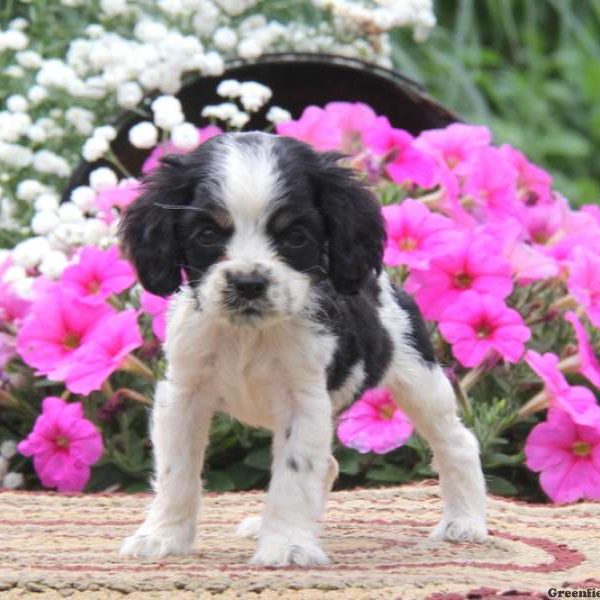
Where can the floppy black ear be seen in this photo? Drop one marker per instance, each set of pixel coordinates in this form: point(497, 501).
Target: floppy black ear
point(354, 225)
point(147, 229)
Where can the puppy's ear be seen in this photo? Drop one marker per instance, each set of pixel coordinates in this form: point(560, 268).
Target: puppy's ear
point(148, 227)
point(354, 225)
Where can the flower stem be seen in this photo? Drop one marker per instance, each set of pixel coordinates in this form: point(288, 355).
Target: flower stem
point(7, 399)
point(538, 402)
point(565, 302)
point(136, 396)
point(134, 365)
point(470, 379)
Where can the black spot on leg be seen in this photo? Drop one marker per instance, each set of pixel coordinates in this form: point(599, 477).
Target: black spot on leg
point(288, 433)
point(309, 465)
point(292, 464)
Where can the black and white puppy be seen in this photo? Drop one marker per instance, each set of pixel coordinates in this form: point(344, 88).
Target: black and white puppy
point(286, 317)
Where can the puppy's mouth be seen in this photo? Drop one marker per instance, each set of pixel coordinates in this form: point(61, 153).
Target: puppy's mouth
point(241, 311)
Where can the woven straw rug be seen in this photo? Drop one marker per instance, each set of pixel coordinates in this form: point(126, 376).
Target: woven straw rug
point(57, 546)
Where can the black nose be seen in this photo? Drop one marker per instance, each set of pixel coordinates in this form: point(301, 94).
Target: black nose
point(248, 285)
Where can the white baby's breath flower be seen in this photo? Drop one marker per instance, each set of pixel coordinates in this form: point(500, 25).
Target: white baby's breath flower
point(69, 213)
point(113, 8)
point(95, 148)
point(94, 231)
point(206, 18)
point(14, 71)
point(44, 222)
point(8, 449)
point(94, 31)
point(84, 197)
point(129, 94)
point(225, 38)
point(29, 59)
point(239, 120)
point(46, 201)
point(185, 136)
point(223, 111)
point(46, 161)
point(13, 40)
point(235, 8)
point(37, 134)
point(276, 114)
point(14, 273)
point(29, 252)
point(229, 88)
point(17, 103)
point(103, 178)
point(143, 135)
point(12, 481)
point(15, 155)
point(81, 118)
point(30, 189)
point(19, 24)
point(167, 112)
point(149, 31)
point(212, 64)
point(54, 264)
point(108, 132)
point(249, 49)
point(37, 94)
point(254, 95)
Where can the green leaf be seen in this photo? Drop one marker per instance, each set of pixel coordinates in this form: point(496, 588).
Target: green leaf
point(259, 459)
point(218, 481)
point(388, 473)
point(348, 461)
point(500, 486)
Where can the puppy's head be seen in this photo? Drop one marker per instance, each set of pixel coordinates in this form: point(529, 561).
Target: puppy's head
point(254, 220)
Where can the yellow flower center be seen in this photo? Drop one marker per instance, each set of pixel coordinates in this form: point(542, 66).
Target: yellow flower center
point(581, 449)
point(61, 441)
point(407, 244)
point(71, 341)
point(463, 280)
point(94, 286)
point(387, 411)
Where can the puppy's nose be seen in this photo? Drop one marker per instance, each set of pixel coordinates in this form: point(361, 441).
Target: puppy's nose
point(249, 285)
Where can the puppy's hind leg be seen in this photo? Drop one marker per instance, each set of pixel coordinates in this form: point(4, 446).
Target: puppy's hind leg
point(424, 392)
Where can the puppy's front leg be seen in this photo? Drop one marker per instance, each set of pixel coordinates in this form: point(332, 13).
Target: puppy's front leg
point(296, 498)
point(180, 427)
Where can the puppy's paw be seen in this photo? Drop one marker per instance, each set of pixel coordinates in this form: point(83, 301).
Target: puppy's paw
point(460, 530)
point(278, 551)
point(249, 527)
point(158, 542)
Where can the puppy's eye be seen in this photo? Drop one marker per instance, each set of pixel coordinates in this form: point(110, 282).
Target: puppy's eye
point(294, 238)
point(208, 235)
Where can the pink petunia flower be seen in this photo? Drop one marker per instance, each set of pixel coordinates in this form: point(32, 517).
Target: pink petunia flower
point(313, 127)
point(567, 455)
point(374, 423)
point(588, 361)
point(119, 196)
point(156, 307)
point(104, 353)
point(153, 159)
point(491, 182)
point(473, 262)
point(406, 162)
point(58, 323)
point(584, 282)
point(98, 274)
point(12, 306)
point(578, 401)
point(414, 233)
point(63, 444)
point(454, 145)
point(479, 324)
point(534, 185)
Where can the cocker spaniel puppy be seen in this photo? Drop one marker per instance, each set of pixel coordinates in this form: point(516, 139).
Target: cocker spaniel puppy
point(285, 317)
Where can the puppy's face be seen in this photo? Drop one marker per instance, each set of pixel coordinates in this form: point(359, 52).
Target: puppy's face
point(255, 221)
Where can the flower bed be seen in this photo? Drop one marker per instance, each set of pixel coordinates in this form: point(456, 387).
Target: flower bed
point(502, 267)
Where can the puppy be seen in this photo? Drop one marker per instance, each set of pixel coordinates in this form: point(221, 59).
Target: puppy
point(286, 316)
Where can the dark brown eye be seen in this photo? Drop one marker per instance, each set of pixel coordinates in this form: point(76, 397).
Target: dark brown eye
point(294, 238)
point(209, 235)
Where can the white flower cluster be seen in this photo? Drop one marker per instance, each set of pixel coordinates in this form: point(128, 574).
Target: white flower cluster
point(383, 15)
point(9, 480)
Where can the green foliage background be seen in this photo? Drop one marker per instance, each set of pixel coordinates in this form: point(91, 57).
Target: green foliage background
point(530, 69)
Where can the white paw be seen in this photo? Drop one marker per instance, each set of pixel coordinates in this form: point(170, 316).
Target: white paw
point(249, 527)
point(279, 551)
point(155, 542)
point(460, 530)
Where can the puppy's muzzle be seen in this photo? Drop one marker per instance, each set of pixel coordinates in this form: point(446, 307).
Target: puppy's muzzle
point(247, 286)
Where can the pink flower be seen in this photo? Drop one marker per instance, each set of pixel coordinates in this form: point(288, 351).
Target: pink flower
point(530, 264)
point(406, 162)
point(98, 274)
point(63, 444)
point(568, 456)
point(119, 196)
point(534, 185)
point(374, 423)
point(584, 282)
point(455, 144)
point(153, 160)
point(12, 306)
point(156, 307)
point(104, 353)
point(478, 324)
point(58, 323)
point(472, 262)
point(578, 401)
point(589, 365)
point(313, 127)
point(413, 233)
point(491, 181)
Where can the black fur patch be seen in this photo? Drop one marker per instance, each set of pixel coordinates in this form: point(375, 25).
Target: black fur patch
point(292, 464)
